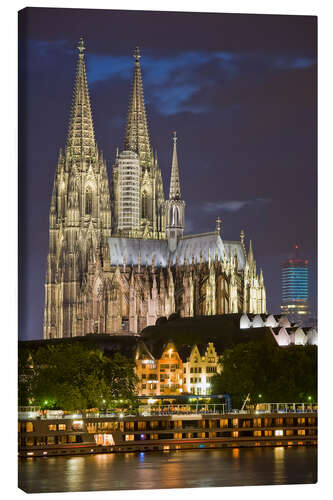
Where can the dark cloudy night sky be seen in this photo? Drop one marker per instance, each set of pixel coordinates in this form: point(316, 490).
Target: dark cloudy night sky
point(240, 90)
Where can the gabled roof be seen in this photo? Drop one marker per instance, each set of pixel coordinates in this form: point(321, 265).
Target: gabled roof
point(197, 245)
point(132, 248)
point(193, 245)
point(235, 247)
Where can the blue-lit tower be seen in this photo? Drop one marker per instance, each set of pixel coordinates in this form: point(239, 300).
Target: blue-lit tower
point(295, 288)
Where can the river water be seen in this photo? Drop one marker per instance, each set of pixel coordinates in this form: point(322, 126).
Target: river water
point(171, 469)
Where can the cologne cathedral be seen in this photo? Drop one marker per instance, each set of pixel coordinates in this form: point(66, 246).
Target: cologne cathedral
point(118, 257)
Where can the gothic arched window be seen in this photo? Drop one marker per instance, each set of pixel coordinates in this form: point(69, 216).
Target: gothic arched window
point(176, 217)
point(144, 205)
point(88, 201)
point(171, 219)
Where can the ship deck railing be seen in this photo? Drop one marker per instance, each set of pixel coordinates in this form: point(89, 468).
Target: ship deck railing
point(32, 413)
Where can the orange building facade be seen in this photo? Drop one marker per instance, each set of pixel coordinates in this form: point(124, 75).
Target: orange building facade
point(172, 373)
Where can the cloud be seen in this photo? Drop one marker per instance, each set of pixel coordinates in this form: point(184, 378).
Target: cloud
point(294, 62)
point(234, 205)
point(101, 67)
point(173, 83)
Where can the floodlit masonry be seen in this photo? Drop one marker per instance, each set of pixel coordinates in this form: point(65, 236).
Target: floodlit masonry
point(120, 258)
point(105, 434)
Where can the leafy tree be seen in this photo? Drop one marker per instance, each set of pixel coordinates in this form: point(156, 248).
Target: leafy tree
point(75, 376)
point(268, 372)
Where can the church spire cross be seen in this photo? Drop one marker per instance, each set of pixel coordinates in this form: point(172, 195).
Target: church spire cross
point(174, 137)
point(174, 182)
point(218, 225)
point(81, 46)
point(136, 55)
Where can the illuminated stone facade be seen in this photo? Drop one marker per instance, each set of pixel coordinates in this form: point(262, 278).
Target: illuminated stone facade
point(79, 222)
point(150, 189)
point(102, 278)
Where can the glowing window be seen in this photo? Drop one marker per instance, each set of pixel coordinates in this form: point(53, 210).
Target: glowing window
point(29, 427)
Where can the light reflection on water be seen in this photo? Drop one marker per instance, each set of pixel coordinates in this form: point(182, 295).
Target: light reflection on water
point(173, 469)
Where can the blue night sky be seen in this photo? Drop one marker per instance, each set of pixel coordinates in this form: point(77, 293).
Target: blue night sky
point(241, 92)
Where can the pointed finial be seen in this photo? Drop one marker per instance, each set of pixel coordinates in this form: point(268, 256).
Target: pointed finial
point(136, 54)
point(81, 46)
point(261, 276)
point(250, 253)
point(174, 192)
point(242, 236)
point(174, 137)
point(218, 225)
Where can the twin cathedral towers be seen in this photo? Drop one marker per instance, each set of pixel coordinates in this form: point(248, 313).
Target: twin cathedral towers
point(118, 258)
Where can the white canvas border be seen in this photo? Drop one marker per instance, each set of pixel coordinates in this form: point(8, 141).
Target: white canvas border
point(8, 247)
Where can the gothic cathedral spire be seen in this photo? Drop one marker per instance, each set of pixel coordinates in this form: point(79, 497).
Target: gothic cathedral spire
point(149, 191)
point(137, 136)
point(174, 206)
point(81, 138)
point(80, 218)
point(174, 182)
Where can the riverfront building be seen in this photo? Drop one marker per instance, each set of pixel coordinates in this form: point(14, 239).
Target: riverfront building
point(199, 367)
point(119, 259)
point(183, 370)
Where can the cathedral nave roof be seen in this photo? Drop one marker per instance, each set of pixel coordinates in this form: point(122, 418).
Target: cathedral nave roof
point(189, 246)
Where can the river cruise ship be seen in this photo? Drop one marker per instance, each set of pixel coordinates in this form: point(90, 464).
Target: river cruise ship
point(178, 427)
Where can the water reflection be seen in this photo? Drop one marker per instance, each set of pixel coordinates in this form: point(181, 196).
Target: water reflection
point(279, 464)
point(173, 469)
